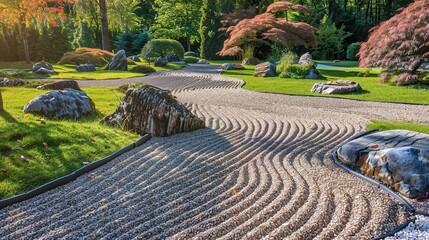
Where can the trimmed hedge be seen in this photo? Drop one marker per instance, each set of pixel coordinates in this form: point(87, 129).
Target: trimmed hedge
point(189, 59)
point(142, 69)
point(160, 48)
point(352, 50)
point(191, 54)
point(80, 56)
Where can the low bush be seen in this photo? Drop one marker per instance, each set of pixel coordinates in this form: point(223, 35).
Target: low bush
point(142, 69)
point(286, 60)
point(191, 54)
point(189, 59)
point(352, 50)
point(160, 48)
point(80, 56)
point(297, 71)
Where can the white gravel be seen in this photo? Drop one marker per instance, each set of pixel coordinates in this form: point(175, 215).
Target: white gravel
point(262, 169)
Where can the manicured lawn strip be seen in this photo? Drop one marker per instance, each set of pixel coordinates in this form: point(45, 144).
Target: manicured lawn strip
point(387, 125)
point(372, 89)
point(70, 142)
point(348, 64)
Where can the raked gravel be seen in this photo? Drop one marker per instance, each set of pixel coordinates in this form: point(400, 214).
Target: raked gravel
point(262, 169)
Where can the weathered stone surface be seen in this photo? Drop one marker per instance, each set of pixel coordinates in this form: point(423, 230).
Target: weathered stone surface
point(265, 69)
point(119, 62)
point(135, 58)
point(336, 87)
point(306, 58)
point(160, 62)
point(85, 68)
point(251, 61)
point(39, 65)
point(155, 111)
point(237, 66)
point(61, 85)
point(202, 61)
point(398, 158)
point(172, 58)
point(67, 103)
point(312, 74)
point(3, 81)
point(43, 70)
point(227, 66)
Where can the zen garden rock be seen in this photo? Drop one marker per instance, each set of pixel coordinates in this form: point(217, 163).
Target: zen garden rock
point(265, 69)
point(172, 58)
point(67, 103)
point(305, 59)
point(43, 68)
point(135, 59)
point(202, 61)
point(155, 111)
point(85, 68)
point(119, 62)
point(61, 85)
point(160, 62)
point(397, 158)
point(230, 66)
point(336, 87)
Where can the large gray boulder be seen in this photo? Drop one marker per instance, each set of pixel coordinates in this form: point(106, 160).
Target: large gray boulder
point(61, 85)
point(40, 65)
point(119, 62)
point(155, 111)
point(398, 158)
point(336, 87)
point(312, 74)
point(85, 68)
point(265, 69)
point(67, 103)
point(306, 58)
point(160, 62)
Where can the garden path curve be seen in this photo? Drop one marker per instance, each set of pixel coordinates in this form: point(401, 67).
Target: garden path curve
point(262, 169)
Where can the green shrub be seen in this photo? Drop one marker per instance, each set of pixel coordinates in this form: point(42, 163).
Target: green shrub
point(287, 59)
point(297, 71)
point(125, 87)
point(80, 56)
point(189, 59)
point(160, 48)
point(191, 54)
point(352, 50)
point(142, 69)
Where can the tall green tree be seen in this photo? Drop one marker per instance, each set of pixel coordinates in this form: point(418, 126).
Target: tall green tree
point(84, 35)
point(210, 23)
point(178, 19)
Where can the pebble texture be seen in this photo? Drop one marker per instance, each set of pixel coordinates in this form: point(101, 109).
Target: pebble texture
point(262, 169)
point(68, 103)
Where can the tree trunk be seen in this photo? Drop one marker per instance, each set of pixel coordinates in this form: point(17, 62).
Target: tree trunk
point(24, 38)
point(1, 103)
point(188, 43)
point(105, 39)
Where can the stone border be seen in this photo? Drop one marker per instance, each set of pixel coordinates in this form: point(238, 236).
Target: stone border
point(72, 176)
point(379, 185)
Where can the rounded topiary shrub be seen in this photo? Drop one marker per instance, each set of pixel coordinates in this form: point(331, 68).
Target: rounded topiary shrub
point(142, 69)
point(160, 48)
point(191, 54)
point(352, 50)
point(189, 59)
point(80, 56)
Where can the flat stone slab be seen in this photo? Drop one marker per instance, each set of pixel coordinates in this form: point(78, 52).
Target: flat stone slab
point(397, 158)
point(336, 87)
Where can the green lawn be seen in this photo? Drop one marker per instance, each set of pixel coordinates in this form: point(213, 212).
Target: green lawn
point(372, 89)
point(68, 71)
point(70, 143)
point(348, 64)
point(386, 125)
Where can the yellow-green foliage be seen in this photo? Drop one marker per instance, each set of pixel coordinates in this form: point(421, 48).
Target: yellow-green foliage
point(94, 56)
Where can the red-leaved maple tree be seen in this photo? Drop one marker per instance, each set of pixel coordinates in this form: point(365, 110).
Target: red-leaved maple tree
point(248, 33)
point(21, 12)
point(402, 42)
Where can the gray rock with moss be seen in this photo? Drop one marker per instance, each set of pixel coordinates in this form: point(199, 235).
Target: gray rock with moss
point(265, 69)
point(397, 158)
point(119, 61)
point(336, 87)
point(60, 85)
point(67, 103)
point(155, 111)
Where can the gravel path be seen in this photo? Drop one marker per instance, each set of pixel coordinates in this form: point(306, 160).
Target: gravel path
point(262, 169)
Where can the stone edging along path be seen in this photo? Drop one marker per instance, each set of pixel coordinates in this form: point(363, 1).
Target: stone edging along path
point(262, 169)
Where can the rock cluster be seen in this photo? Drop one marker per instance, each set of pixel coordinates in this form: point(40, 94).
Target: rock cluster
point(67, 103)
point(43, 68)
point(85, 68)
point(155, 111)
point(61, 85)
point(398, 158)
point(336, 87)
point(265, 69)
point(119, 62)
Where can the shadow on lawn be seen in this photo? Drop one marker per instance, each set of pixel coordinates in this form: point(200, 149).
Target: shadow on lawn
point(7, 117)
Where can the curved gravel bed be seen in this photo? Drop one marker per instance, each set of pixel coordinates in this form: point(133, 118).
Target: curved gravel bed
point(262, 169)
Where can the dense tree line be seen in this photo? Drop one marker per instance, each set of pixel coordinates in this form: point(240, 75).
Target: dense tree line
point(193, 23)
